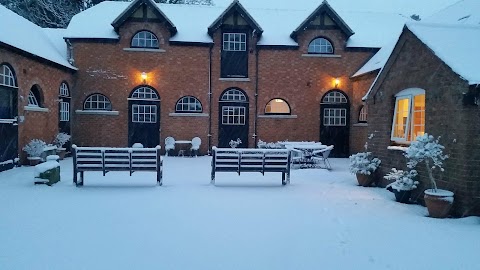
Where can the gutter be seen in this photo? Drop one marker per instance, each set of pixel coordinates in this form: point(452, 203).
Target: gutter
point(210, 98)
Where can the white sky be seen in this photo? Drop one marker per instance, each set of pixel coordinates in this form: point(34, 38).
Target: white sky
point(407, 7)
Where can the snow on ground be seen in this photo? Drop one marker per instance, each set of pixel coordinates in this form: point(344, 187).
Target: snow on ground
point(323, 220)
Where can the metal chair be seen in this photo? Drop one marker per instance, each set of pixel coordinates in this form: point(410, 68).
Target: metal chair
point(196, 142)
point(322, 155)
point(169, 144)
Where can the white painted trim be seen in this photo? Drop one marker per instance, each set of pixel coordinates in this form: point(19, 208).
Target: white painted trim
point(189, 114)
point(96, 112)
point(234, 79)
point(360, 125)
point(35, 109)
point(322, 55)
point(143, 50)
point(410, 92)
point(278, 116)
point(397, 148)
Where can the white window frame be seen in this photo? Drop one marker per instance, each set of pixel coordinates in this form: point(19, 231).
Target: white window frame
point(234, 95)
point(95, 104)
point(144, 93)
point(32, 100)
point(64, 111)
point(148, 110)
point(238, 119)
point(335, 97)
point(234, 42)
point(149, 39)
point(333, 115)
point(64, 91)
point(410, 95)
point(185, 103)
point(320, 45)
point(6, 77)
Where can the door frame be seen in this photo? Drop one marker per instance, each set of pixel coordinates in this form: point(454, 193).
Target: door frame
point(235, 103)
point(343, 150)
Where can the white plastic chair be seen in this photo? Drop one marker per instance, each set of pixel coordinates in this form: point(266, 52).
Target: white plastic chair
point(169, 144)
point(297, 157)
point(322, 155)
point(196, 142)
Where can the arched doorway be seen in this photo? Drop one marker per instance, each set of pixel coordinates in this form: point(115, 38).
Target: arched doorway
point(335, 121)
point(8, 117)
point(144, 117)
point(233, 118)
point(64, 111)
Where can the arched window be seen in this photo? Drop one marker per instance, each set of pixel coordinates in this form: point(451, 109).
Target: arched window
point(188, 104)
point(277, 106)
point(64, 92)
point(321, 46)
point(362, 115)
point(97, 102)
point(335, 97)
point(145, 39)
point(409, 117)
point(144, 92)
point(6, 76)
point(35, 97)
point(234, 95)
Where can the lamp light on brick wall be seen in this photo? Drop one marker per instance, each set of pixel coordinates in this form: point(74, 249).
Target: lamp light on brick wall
point(336, 82)
point(144, 77)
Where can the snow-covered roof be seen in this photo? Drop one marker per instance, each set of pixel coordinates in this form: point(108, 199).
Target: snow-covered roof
point(372, 30)
point(378, 60)
point(456, 45)
point(29, 37)
point(465, 12)
point(55, 35)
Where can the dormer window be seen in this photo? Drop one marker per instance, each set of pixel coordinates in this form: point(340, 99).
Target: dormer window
point(320, 46)
point(234, 55)
point(145, 39)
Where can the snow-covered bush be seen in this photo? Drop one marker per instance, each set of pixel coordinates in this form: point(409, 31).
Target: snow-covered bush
point(34, 148)
point(426, 149)
point(403, 179)
point(61, 139)
point(363, 163)
point(271, 145)
point(236, 143)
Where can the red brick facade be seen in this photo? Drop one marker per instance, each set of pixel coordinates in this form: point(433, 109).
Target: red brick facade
point(413, 64)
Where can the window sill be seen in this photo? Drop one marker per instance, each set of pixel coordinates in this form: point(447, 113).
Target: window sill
point(397, 148)
point(96, 112)
point(360, 125)
point(277, 116)
point(35, 109)
point(322, 55)
point(188, 114)
point(234, 79)
point(143, 50)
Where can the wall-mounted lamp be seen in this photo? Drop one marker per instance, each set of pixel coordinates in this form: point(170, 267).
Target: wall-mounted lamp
point(144, 77)
point(336, 82)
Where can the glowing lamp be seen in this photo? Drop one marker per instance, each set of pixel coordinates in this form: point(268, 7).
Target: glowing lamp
point(336, 82)
point(144, 76)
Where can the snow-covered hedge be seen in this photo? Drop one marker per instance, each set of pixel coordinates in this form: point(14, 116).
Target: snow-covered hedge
point(34, 148)
point(363, 163)
point(403, 179)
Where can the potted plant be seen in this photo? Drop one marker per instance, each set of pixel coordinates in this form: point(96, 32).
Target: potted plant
point(363, 166)
point(60, 140)
point(403, 184)
point(428, 150)
point(34, 150)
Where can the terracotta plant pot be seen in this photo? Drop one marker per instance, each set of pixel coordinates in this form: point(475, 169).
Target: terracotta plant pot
point(402, 196)
point(61, 152)
point(34, 160)
point(438, 203)
point(364, 180)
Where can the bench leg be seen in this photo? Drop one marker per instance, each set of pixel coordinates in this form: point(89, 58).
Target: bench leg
point(284, 182)
point(159, 177)
point(75, 176)
point(81, 179)
point(212, 181)
point(288, 177)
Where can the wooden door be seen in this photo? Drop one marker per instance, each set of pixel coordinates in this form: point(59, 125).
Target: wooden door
point(335, 122)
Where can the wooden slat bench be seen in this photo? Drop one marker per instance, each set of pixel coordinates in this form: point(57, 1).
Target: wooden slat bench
point(251, 160)
point(107, 159)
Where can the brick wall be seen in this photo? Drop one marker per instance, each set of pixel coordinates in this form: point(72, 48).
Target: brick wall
point(31, 71)
point(414, 65)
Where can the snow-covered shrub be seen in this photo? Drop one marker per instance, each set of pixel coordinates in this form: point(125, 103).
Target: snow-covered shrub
point(403, 179)
point(426, 149)
point(61, 139)
point(271, 145)
point(236, 143)
point(363, 163)
point(34, 148)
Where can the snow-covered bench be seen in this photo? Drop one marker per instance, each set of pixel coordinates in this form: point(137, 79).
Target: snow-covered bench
point(107, 159)
point(251, 160)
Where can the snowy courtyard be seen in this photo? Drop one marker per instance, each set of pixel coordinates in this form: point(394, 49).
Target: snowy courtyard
point(322, 220)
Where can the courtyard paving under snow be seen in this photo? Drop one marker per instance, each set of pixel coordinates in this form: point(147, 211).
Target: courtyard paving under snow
point(323, 220)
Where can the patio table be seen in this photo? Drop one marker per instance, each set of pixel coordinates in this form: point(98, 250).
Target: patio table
point(307, 149)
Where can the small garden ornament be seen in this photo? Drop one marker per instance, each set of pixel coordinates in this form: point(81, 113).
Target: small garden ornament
point(34, 150)
point(403, 184)
point(428, 150)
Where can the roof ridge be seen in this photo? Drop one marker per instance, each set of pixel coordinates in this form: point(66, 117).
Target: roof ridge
point(443, 25)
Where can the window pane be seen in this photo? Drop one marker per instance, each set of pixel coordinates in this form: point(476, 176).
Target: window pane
point(418, 121)
point(277, 106)
point(401, 118)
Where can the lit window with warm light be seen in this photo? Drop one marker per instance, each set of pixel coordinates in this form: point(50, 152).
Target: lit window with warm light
point(277, 106)
point(409, 117)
